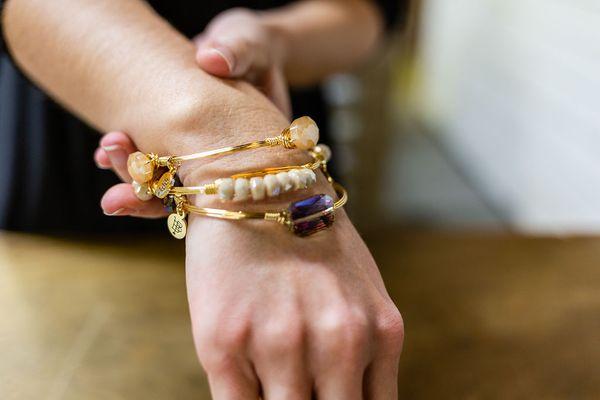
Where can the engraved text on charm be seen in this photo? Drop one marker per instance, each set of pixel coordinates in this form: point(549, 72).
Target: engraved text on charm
point(177, 225)
point(162, 186)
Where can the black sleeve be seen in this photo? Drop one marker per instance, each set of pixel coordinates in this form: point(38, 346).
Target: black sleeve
point(394, 12)
point(2, 47)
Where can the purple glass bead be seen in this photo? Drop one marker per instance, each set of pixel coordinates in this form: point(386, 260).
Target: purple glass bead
point(311, 215)
point(169, 204)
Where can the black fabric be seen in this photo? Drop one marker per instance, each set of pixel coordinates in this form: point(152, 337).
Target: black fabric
point(47, 175)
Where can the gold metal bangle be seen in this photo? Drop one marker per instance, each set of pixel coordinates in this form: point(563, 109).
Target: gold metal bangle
point(212, 188)
point(303, 226)
point(303, 134)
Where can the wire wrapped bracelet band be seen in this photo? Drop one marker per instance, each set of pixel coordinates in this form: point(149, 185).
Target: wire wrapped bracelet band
point(303, 133)
point(270, 182)
point(303, 217)
point(155, 175)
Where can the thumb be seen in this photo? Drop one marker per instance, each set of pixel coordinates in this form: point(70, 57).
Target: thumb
point(216, 59)
point(231, 57)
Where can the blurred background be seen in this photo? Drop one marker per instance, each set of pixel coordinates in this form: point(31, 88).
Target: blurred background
point(482, 115)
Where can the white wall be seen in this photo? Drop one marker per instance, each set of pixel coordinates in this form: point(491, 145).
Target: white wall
point(514, 88)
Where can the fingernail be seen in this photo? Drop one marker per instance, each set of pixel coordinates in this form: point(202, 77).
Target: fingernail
point(102, 166)
point(120, 211)
point(116, 154)
point(226, 54)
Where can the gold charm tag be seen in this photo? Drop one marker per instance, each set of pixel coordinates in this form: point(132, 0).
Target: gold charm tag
point(162, 186)
point(177, 225)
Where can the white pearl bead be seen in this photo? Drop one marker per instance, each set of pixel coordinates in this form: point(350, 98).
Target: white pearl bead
point(225, 188)
point(272, 185)
point(242, 189)
point(304, 133)
point(324, 150)
point(257, 188)
point(297, 179)
point(309, 176)
point(285, 181)
point(142, 191)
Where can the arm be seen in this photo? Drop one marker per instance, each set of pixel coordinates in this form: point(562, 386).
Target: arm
point(117, 64)
point(307, 40)
point(271, 313)
point(346, 32)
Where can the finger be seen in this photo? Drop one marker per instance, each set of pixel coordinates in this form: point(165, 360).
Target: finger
point(276, 89)
point(381, 377)
point(280, 363)
point(117, 146)
point(120, 200)
point(342, 353)
point(285, 379)
point(232, 56)
point(101, 159)
point(233, 384)
point(344, 384)
point(216, 59)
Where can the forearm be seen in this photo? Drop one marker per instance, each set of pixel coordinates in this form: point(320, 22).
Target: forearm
point(118, 65)
point(321, 37)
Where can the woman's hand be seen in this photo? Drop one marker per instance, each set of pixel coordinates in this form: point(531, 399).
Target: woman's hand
point(237, 44)
point(273, 314)
point(276, 315)
point(290, 318)
point(120, 200)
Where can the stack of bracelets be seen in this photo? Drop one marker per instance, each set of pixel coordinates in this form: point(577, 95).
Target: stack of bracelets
point(156, 176)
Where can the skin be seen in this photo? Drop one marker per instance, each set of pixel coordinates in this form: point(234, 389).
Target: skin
point(272, 314)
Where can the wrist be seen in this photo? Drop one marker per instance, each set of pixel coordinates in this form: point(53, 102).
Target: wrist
point(232, 114)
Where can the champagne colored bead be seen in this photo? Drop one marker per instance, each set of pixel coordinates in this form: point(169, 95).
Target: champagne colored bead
point(241, 189)
point(257, 188)
point(225, 188)
point(285, 181)
point(140, 167)
point(142, 191)
point(272, 185)
point(324, 150)
point(304, 133)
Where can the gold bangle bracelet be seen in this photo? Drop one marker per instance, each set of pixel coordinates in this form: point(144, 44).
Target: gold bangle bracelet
point(285, 179)
point(303, 133)
point(304, 217)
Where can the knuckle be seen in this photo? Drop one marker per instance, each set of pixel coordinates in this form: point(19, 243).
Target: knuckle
point(390, 328)
point(240, 45)
point(218, 362)
point(282, 335)
point(227, 335)
point(232, 336)
point(220, 343)
point(346, 329)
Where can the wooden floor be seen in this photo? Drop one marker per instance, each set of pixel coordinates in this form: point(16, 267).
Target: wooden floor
point(487, 317)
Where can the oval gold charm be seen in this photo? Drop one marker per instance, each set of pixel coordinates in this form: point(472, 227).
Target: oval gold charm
point(177, 225)
point(161, 187)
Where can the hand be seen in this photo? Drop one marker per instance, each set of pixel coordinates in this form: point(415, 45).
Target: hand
point(274, 315)
point(280, 316)
point(236, 44)
point(120, 200)
point(285, 316)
